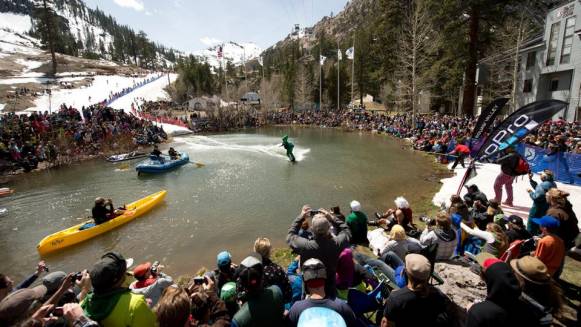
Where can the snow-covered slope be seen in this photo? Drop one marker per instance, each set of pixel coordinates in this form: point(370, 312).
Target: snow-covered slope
point(15, 22)
point(85, 31)
point(232, 51)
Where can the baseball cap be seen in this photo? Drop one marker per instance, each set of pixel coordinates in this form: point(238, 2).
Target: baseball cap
point(251, 271)
point(314, 269)
point(515, 220)
point(53, 281)
point(107, 272)
point(547, 221)
point(417, 266)
point(320, 225)
point(223, 259)
point(486, 260)
point(18, 304)
point(355, 205)
point(141, 269)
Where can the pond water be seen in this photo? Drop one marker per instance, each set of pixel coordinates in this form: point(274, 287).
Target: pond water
point(246, 189)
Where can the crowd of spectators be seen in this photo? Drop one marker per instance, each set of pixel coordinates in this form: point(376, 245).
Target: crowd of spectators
point(431, 133)
point(331, 279)
point(68, 134)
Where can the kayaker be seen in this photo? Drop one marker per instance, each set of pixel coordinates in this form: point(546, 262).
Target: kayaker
point(173, 154)
point(103, 210)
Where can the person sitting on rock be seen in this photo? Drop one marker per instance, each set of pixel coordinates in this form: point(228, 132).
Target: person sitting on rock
point(418, 303)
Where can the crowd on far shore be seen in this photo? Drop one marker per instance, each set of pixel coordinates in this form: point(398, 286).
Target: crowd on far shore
point(429, 130)
point(69, 134)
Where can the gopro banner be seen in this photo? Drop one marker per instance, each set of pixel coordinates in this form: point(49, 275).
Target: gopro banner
point(516, 126)
point(487, 117)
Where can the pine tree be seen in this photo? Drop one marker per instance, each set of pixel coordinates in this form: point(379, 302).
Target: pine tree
point(46, 16)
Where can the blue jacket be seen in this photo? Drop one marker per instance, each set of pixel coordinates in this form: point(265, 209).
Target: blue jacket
point(540, 205)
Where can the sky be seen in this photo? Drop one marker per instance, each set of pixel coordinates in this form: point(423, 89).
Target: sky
point(191, 25)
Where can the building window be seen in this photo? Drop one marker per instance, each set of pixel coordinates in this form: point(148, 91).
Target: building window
point(553, 39)
point(554, 86)
point(528, 86)
point(531, 59)
point(568, 40)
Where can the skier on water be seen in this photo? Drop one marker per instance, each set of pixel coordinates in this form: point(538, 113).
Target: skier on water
point(289, 148)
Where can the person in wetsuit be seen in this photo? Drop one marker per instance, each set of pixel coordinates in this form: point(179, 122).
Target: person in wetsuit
point(289, 146)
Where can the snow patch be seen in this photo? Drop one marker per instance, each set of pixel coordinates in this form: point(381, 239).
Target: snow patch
point(2, 105)
point(15, 22)
point(237, 53)
point(486, 174)
point(11, 42)
point(24, 80)
point(29, 64)
point(100, 90)
point(151, 92)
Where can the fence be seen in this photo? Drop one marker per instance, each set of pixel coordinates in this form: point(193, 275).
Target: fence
point(565, 166)
point(165, 120)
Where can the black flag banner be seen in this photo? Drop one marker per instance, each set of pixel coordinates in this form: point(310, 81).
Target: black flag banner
point(518, 125)
point(513, 129)
point(487, 117)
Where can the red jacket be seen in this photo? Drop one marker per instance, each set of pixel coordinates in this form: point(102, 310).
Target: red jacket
point(461, 148)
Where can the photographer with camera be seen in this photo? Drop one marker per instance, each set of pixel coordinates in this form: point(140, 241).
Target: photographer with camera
point(226, 271)
point(151, 282)
point(325, 246)
point(439, 231)
point(79, 288)
point(206, 308)
point(7, 284)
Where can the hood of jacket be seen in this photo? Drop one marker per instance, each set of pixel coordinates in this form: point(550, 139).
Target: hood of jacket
point(448, 235)
point(502, 286)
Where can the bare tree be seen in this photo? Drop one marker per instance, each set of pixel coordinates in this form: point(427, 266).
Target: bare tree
point(416, 43)
point(502, 64)
point(303, 85)
point(270, 93)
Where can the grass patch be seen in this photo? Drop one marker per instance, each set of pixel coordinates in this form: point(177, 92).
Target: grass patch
point(282, 256)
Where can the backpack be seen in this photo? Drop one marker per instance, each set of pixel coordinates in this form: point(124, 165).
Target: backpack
point(522, 168)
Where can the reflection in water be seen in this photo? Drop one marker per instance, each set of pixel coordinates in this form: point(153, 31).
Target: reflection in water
point(246, 189)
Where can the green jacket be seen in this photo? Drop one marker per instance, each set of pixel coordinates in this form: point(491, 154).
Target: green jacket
point(265, 309)
point(357, 222)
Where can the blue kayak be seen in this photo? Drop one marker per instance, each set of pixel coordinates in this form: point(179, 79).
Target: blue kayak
point(155, 165)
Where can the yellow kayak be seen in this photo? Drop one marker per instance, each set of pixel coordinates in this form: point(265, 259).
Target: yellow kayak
point(74, 235)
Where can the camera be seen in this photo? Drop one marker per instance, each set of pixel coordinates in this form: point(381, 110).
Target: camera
point(427, 220)
point(314, 212)
point(154, 267)
point(78, 275)
point(199, 280)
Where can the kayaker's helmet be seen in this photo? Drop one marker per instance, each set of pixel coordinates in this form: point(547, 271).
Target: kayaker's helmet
point(99, 200)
